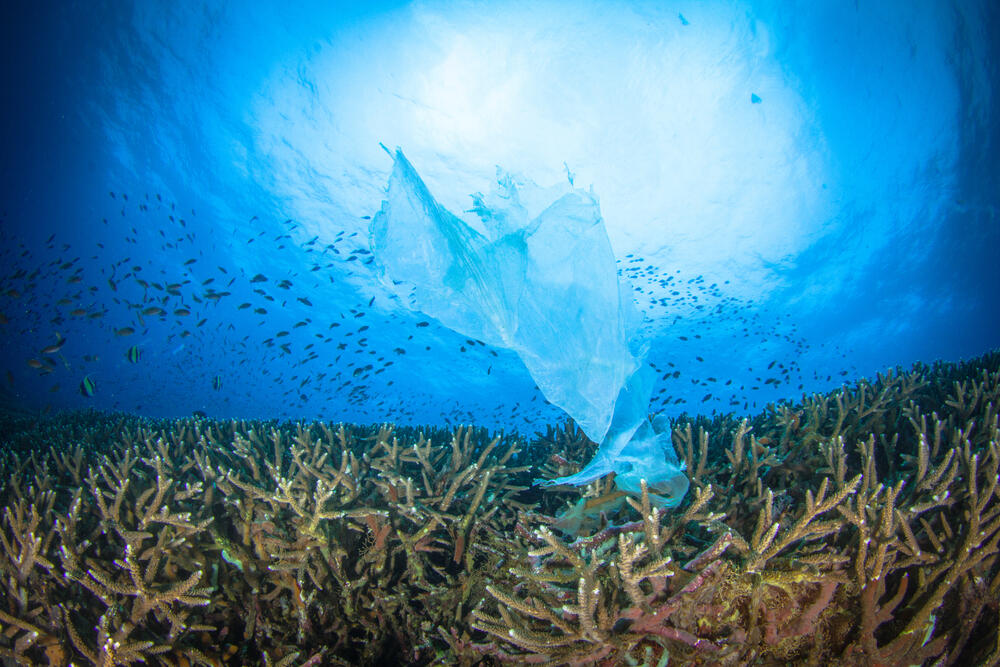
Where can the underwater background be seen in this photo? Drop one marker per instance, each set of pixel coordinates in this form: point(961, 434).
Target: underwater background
point(479, 333)
point(799, 196)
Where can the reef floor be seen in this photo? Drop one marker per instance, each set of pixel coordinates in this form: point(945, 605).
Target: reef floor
point(858, 527)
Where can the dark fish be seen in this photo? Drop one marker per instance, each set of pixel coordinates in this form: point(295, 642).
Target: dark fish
point(132, 354)
point(87, 386)
point(199, 413)
point(217, 382)
point(125, 331)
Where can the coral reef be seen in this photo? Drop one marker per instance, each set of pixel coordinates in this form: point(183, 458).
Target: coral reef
point(858, 527)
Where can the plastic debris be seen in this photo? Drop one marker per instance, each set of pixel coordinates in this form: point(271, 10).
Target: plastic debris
point(542, 282)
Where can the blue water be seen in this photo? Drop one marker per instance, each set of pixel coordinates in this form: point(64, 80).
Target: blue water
point(800, 195)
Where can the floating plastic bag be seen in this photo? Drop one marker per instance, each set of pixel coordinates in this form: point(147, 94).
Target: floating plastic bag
point(543, 283)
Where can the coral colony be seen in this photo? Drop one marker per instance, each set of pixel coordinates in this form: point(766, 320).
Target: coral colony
point(857, 527)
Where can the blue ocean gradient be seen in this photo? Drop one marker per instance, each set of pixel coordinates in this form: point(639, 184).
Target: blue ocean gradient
point(798, 194)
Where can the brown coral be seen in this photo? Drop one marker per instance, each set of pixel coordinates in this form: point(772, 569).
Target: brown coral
point(858, 527)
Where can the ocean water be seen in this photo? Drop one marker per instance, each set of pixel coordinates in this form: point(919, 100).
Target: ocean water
point(842, 224)
point(796, 197)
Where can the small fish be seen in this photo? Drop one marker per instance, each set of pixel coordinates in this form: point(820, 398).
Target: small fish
point(125, 331)
point(55, 347)
point(132, 354)
point(87, 386)
point(259, 278)
point(153, 310)
point(217, 382)
point(182, 312)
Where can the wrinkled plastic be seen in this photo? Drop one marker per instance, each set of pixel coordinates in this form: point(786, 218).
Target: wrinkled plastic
point(636, 449)
point(543, 283)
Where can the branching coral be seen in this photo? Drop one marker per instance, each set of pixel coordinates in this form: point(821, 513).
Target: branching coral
point(860, 527)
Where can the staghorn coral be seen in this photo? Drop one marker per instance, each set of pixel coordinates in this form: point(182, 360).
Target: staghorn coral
point(206, 542)
point(859, 527)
